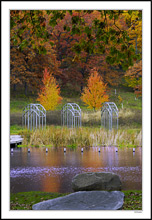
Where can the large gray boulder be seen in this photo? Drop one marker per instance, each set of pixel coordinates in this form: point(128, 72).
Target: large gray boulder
point(84, 200)
point(96, 181)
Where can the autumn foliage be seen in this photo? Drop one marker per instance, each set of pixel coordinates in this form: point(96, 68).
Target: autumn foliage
point(94, 94)
point(49, 96)
point(133, 78)
point(71, 42)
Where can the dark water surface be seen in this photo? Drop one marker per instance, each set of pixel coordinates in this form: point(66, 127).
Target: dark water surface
point(53, 171)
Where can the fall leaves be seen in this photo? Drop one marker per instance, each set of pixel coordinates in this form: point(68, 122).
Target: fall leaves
point(133, 77)
point(49, 96)
point(72, 42)
point(62, 38)
point(94, 95)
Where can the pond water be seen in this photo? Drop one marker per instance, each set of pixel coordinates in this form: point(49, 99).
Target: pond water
point(53, 171)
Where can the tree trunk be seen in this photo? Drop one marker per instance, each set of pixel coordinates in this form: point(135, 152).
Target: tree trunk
point(136, 45)
point(25, 88)
point(14, 87)
point(82, 83)
point(81, 87)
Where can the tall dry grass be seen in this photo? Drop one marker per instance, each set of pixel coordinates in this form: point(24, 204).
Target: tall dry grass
point(85, 136)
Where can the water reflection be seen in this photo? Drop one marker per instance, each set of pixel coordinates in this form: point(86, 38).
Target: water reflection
point(53, 171)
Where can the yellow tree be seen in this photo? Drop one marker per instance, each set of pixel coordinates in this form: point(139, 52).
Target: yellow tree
point(94, 95)
point(134, 28)
point(49, 96)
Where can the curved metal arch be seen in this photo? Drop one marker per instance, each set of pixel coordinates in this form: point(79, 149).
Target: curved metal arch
point(108, 104)
point(103, 110)
point(69, 110)
point(74, 104)
point(34, 115)
point(112, 109)
point(36, 106)
point(116, 112)
point(66, 106)
point(77, 112)
point(30, 112)
point(33, 110)
point(73, 120)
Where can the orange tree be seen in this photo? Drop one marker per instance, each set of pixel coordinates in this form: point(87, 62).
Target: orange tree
point(49, 95)
point(95, 92)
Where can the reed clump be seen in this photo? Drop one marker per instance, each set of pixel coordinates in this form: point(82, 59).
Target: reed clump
point(84, 136)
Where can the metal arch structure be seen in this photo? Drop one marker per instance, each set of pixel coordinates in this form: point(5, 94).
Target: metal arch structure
point(109, 115)
point(71, 115)
point(34, 116)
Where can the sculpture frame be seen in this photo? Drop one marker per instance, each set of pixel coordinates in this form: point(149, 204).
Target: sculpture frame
point(71, 115)
point(34, 116)
point(109, 115)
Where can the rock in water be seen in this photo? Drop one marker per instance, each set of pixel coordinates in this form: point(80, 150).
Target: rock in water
point(84, 200)
point(96, 181)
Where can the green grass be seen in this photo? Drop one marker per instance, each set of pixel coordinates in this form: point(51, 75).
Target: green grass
point(16, 130)
point(72, 146)
point(129, 100)
point(25, 200)
point(130, 116)
point(19, 101)
point(133, 200)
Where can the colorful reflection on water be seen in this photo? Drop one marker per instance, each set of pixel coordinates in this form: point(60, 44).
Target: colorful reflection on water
point(53, 171)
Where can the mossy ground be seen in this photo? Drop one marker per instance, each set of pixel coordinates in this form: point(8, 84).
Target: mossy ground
point(25, 200)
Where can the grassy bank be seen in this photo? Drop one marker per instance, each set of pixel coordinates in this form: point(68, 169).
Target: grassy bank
point(130, 116)
point(85, 136)
point(18, 100)
point(25, 200)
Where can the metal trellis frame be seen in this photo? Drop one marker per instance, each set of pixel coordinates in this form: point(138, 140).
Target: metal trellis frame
point(109, 115)
point(71, 115)
point(34, 116)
